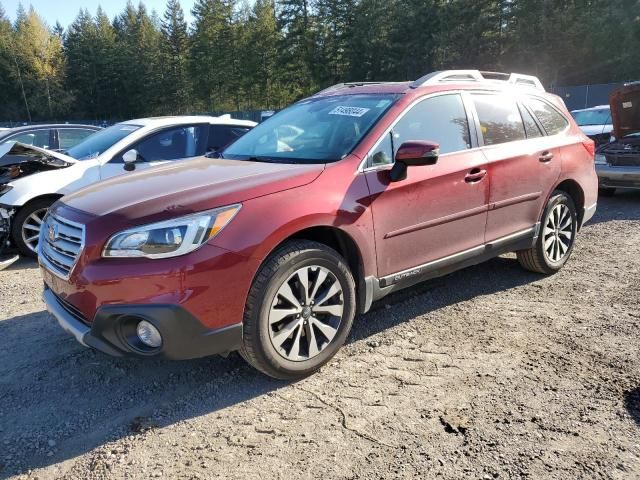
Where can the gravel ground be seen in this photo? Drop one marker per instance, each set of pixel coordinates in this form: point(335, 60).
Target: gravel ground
point(491, 372)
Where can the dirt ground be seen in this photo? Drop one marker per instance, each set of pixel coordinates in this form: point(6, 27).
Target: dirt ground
point(491, 372)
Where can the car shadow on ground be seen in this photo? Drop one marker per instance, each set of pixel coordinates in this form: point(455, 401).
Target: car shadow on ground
point(632, 404)
point(59, 400)
point(52, 389)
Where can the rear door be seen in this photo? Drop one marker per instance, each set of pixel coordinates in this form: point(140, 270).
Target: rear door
point(438, 210)
point(523, 163)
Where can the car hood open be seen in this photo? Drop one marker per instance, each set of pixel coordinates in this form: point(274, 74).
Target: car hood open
point(625, 110)
point(18, 160)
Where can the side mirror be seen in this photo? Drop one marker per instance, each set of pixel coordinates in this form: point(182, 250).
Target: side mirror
point(130, 158)
point(413, 154)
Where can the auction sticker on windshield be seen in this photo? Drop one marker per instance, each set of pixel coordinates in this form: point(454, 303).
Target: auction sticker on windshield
point(349, 111)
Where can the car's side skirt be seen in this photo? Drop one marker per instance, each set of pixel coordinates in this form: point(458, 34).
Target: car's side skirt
point(377, 288)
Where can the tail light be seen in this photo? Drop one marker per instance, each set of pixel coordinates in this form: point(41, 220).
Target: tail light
point(590, 146)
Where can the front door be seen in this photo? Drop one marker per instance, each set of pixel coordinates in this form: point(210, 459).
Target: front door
point(438, 210)
point(167, 145)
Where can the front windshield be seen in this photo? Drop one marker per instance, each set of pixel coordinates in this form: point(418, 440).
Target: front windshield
point(100, 141)
point(316, 130)
point(593, 117)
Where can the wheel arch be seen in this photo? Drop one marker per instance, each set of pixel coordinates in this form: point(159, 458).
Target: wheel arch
point(48, 196)
point(343, 243)
point(575, 191)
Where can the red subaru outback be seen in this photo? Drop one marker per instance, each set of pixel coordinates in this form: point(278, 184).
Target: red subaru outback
point(331, 204)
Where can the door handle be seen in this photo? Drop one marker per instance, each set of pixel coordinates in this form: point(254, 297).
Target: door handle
point(475, 175)
point(546, 156)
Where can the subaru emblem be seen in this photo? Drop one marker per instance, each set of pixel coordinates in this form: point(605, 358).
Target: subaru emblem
point(53, 233)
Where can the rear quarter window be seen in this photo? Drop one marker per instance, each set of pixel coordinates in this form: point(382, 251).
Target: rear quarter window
point(500, 119)
point(552, 121)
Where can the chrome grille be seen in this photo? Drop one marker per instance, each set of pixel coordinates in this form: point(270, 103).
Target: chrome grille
point(60, 245)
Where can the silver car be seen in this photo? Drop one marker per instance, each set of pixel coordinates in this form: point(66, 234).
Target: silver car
point(618, 162)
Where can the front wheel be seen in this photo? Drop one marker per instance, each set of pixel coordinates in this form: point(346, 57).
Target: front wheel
point(299, 310)
point(26, 226)
point(556, 239)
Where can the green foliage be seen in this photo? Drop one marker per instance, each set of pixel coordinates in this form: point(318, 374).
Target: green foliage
point(259, 54)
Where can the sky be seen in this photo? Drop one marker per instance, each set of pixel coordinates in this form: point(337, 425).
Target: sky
point(65, 11)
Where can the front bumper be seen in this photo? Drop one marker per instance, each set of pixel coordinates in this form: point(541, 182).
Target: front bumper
point(618, 177)
point(110, 332)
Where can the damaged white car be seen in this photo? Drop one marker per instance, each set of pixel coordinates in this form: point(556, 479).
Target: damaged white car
point(32, 179)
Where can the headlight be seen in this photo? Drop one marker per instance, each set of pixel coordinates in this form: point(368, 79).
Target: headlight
point(600, 159)
point(170, 238)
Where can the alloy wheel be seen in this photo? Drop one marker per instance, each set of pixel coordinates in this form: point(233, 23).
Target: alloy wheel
point(558, 233)
point(306, 312)
point(31, 229)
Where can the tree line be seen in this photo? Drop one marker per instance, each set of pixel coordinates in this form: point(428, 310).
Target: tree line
point(241, 55)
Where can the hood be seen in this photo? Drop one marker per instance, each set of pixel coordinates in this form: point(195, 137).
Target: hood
point(18, 160)
point(625, 110)
point(187, 186)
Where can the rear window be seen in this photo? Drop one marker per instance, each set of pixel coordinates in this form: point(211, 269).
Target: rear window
point(500, 120)
point(584, 118)
point(68, 137)
point(552, 120)
point(220, 136)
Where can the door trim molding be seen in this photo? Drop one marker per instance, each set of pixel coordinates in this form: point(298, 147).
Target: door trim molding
point(529, 197)
point(438, 221)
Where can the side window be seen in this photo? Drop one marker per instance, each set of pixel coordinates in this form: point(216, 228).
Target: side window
point(69, 137)
point(500, 120)
point(440, 119)
point(170, 144)
point(552, 121)
point(220, 136)
point(36, 138)
point(530, 125)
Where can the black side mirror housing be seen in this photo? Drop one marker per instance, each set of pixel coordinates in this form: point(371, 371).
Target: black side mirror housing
point(413, 154)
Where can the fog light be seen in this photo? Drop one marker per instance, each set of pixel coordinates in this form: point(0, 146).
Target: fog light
point(148, 334)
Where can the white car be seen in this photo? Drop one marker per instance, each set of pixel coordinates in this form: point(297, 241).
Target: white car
point(595, 123)
point(32, 179)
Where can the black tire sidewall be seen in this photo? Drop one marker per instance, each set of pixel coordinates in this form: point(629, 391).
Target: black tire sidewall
point(271, 360)
point(556, 199)
point(18, 222)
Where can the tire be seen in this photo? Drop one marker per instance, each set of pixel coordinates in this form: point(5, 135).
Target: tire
point(25, 221)
point(547, 255)
point(607, 191)
point(279, 332)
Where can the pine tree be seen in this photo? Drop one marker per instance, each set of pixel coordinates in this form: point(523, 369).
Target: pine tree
point(212, 54)
point(40, 61)
point(336, 22)
point(298, 53)
point(175, 58)
point(11, 102)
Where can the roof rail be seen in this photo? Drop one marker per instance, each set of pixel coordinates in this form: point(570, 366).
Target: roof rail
point(352, 84)
point(478, 76)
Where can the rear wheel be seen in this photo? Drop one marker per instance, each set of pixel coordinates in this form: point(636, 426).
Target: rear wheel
point(299, 310)
point(26, 226)
point(556, 239)
point(607, 191)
